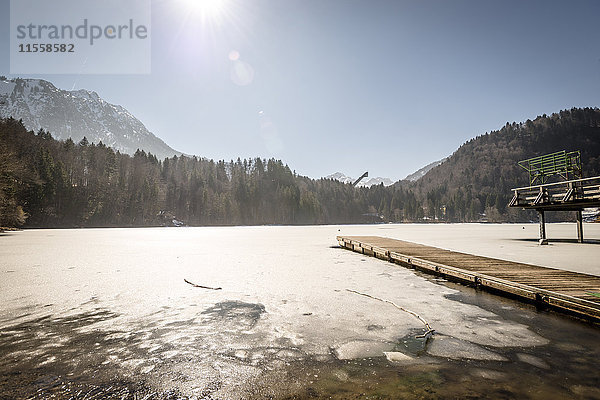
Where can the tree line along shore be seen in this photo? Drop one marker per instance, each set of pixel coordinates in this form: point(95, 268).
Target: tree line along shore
point(45, 182)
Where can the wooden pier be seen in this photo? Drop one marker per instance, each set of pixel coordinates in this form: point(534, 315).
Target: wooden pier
point(561, 290)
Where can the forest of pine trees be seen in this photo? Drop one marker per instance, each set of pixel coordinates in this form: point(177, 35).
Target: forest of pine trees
point(49, 183)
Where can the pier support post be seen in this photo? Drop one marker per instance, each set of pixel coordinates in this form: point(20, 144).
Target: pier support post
point(543, 239)
point(579, 226)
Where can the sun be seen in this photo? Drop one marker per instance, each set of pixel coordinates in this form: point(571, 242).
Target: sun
point(207, 9)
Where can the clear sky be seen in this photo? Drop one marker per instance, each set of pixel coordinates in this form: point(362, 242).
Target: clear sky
point(351, 85)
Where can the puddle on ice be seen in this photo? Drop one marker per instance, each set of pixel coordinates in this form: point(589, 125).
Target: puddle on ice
point(283, 325)
point(362, 349)
point(415, 342)
point(456, 349)
point(238, 314)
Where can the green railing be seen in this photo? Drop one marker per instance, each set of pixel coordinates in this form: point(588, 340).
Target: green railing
point(561, 163)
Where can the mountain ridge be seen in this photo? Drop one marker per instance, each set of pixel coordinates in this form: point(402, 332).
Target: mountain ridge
point(421, 172)
point(77, 114)
point(341, 177)
point(477, 178)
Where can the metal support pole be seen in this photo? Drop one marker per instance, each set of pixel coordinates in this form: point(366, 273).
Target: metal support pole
point(579, 226)
point(543, 239)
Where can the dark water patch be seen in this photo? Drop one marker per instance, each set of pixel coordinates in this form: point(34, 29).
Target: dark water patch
point(414, 343)
point(238, 313)
point(379, 379)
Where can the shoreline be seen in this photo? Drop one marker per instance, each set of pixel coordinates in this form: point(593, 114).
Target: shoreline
point(420, 223)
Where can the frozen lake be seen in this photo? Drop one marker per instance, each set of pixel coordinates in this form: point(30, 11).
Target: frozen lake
point(106, 312)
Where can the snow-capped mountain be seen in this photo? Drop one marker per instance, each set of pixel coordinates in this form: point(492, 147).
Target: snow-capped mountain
point(368, 182)
point(338, 176)
point(76, 114)
point(365, 182)
point(415, 176)
point(376, 181)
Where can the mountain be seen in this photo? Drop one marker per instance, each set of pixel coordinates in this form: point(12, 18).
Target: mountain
point(375, 181)
point(76, 114)
point(477, 179)
point(338, 176)
point(415, 176)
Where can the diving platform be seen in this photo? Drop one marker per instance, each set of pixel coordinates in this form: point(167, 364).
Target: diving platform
point(572, 195)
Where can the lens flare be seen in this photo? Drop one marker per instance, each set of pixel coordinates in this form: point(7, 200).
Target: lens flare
point(207, 8)
point(242, 73)
point(234, 55)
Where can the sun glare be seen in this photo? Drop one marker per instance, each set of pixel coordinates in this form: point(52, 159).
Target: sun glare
point(207, 8)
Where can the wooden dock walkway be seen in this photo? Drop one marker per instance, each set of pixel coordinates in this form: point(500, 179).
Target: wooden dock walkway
point(562, 290)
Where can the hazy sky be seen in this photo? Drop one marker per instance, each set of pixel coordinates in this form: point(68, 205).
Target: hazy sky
point(351, 85)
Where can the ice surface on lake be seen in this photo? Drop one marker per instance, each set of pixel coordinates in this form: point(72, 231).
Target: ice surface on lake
point(283, 298)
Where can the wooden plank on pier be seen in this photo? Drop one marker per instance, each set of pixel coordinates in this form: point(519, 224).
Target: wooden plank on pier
point(563, 290)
